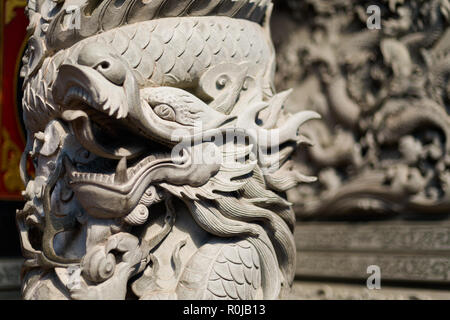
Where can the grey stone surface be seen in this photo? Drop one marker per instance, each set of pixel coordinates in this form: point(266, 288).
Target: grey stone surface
point(10, 295)
point(134, 196)
point(383, 147)
point(10, 273)
point(415, 237)
point(381, 150)
point(415, 252)
point(394, 267)
point(311, 290)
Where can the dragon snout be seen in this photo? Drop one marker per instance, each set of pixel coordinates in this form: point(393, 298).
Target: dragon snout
point(104, 62)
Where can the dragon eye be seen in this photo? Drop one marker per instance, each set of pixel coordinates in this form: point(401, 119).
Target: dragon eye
point(165, 112)
point(104, 65)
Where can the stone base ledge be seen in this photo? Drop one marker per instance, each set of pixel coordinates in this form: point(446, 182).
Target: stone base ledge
point(10, 273)
point(305, 290)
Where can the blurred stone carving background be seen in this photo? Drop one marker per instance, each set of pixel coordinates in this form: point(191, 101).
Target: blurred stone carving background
point(381, 155)
point(384, 145)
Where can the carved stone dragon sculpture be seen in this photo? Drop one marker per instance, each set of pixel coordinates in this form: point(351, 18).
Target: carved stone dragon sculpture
point(124, 115)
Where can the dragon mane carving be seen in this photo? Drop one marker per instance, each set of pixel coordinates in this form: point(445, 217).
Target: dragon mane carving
point(118, 112)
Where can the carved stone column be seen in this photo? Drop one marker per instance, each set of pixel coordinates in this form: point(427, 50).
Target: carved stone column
point(160, 150)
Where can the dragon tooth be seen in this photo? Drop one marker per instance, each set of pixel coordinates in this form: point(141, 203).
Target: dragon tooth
point(112, 110)
point(121, 175)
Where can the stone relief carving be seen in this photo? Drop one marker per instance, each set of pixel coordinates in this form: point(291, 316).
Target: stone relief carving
point(383, 146)
point(307, 291)
point(117, 113)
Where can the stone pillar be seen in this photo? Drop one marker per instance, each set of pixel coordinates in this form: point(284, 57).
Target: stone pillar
point(161, 152)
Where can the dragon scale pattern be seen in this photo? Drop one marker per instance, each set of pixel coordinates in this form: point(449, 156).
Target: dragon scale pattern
point(207, 42)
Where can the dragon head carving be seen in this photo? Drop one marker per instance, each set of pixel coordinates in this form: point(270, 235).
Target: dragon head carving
point(161, 152)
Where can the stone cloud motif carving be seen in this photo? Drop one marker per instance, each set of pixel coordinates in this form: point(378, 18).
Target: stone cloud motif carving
point(161, 152)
